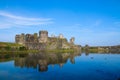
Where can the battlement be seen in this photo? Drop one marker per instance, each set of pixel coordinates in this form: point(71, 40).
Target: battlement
point(43, 31)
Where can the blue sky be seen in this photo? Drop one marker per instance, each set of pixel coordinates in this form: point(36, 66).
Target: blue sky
point(92, 22)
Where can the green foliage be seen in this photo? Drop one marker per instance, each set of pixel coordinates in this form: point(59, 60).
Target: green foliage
point(9, 44)
point(22, 48)
point(7, 48)
point(93, 47)
point(61, 50)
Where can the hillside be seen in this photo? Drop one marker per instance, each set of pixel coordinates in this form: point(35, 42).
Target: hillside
point(7, 46)
point(4, 44)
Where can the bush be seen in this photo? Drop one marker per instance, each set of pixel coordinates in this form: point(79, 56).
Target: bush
point(7, 48)
point(22, 48)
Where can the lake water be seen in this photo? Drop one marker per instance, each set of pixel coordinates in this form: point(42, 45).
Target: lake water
point(60, 66)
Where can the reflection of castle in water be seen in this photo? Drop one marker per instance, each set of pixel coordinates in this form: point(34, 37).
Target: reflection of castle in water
point(41, 61)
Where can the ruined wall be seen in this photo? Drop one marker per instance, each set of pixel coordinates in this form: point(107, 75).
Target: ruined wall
point(20, 39)
point(33, 41)
point(57, 43)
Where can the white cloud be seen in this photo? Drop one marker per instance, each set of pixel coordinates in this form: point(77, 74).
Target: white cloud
point(8, 20)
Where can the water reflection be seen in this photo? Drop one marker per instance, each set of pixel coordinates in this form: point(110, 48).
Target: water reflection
point(59, 66)
point(41, 61)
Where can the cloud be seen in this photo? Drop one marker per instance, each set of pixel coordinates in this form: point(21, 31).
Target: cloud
point(9, 20)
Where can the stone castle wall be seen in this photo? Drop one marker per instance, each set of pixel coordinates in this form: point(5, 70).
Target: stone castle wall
point(42, 41)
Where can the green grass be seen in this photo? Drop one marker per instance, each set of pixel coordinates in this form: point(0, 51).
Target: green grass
point(37, 51)
point(9, 44)
point(61, 50)
point(7, 47)
point(17, 51)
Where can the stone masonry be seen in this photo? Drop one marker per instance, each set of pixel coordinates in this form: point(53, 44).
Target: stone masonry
point(43, 41)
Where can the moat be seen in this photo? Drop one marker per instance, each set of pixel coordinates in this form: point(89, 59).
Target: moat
point(60, 66)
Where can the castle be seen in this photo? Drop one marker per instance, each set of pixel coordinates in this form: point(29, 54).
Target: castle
point(43, 41)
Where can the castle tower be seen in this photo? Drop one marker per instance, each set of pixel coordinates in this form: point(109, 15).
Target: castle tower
point(43, 36)
point(72, 40)
point(20, 39)
point(17, 38)
point(27, 38)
